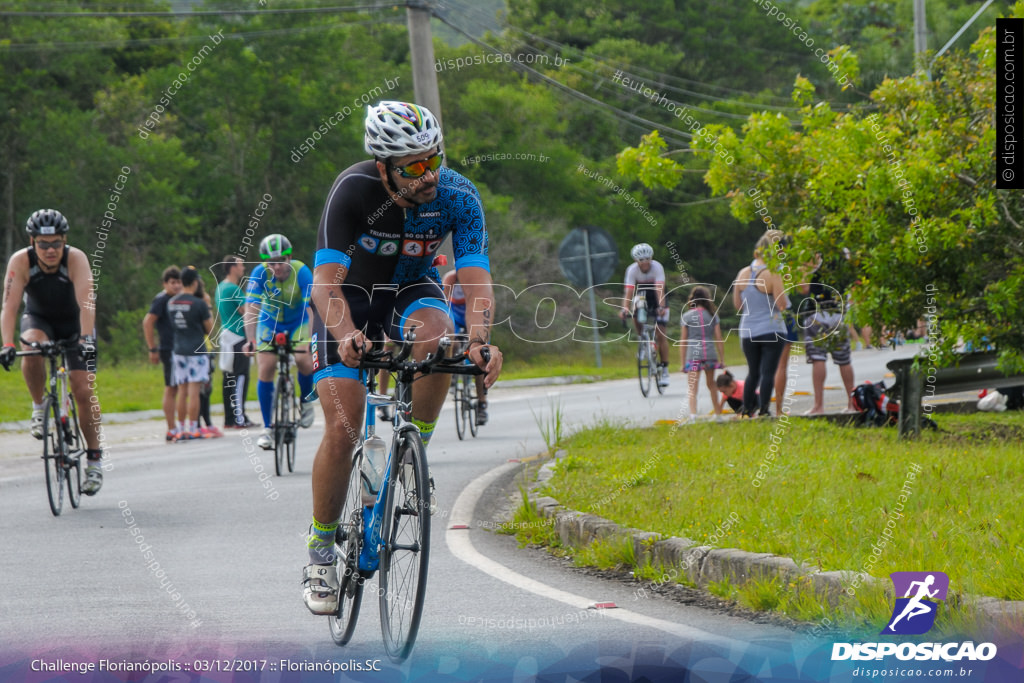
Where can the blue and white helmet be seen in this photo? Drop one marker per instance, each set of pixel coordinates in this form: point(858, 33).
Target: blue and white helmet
point(398, 129)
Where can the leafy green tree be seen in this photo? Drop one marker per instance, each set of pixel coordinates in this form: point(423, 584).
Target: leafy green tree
point(908, 188)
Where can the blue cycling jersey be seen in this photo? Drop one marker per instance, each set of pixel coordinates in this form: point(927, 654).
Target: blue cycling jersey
point(381, 243)
point(282, 301)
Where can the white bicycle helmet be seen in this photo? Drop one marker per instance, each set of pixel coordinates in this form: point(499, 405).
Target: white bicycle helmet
point(642, 251)
point(398, 129)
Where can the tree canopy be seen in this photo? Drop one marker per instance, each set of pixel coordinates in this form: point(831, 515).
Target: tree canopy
point(212, 114)
point(906, 182)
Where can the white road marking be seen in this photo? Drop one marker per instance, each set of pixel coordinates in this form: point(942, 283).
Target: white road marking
point(461, 547)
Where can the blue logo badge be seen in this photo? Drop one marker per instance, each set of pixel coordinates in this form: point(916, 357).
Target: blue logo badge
point(915, 611)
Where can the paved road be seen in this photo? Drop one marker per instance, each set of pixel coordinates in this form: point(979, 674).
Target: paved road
point(229, 552)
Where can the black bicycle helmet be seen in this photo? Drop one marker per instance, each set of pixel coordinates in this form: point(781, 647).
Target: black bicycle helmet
point(46, 222)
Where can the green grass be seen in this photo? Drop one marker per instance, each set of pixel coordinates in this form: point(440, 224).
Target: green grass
point(132, 386)
point(607, 553)
point(618, 361)
point(824, 500)
point(123, 388)
point(530, 528)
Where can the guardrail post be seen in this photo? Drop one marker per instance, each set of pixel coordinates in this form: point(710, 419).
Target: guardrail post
point(912, 382)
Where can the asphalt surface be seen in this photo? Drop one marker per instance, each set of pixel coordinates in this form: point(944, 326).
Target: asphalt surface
point(230, 544)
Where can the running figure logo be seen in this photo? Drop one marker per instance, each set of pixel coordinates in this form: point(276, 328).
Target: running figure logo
point(915, 612)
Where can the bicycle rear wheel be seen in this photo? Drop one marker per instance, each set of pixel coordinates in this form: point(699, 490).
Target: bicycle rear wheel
point(460, 411)
point(471, 399)
point(643, 362)
point(54, 448)
point(348, 543)
point(406, 548)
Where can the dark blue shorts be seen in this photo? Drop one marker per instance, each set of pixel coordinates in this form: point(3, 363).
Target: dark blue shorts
point(383, 311)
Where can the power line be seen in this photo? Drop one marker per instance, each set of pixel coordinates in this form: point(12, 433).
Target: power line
point(662, 85)
point(136, 42)
point(652, 73)
point(194, 13)
point(631, 119)
point(620, 92)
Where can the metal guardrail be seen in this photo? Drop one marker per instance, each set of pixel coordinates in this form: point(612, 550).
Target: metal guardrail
point(973, 371)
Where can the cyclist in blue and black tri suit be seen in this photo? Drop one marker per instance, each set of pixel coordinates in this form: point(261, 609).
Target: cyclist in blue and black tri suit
point(277, 300)
point(382, 224)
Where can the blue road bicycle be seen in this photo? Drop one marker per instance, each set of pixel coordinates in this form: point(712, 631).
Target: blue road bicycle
point(391, 532)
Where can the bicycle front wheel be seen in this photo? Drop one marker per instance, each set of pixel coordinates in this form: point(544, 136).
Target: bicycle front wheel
point(471, 401)
point(293, 434)
point(282, 406)
point(348, 543)
point(54, 449)
point(644, 362)
point(404, 557)
point(460, 408)
point(73, 439)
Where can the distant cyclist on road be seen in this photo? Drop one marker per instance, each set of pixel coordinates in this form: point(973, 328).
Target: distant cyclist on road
point(277, 300)
point(457, 299)
point(56, 282)
point(382, 224)
point(648, 276)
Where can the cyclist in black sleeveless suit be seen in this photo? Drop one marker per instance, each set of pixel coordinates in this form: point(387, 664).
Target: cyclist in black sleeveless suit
point(383, 222)
point(60, 303)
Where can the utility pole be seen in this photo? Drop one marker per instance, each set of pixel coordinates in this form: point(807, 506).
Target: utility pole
point(920, 35)
point(421, 50)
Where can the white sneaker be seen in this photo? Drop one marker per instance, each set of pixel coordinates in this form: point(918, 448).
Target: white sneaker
point(266, 440)
point(320, 588)
point(37, 423)
point(307, 415)
point(663, 377)
point(93, 480)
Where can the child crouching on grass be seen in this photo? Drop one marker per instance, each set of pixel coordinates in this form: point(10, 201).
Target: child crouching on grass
point(732, 390)
point(702, 347)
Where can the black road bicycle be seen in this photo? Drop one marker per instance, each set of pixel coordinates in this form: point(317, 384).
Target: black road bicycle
point(286, 405)
point(63, 446)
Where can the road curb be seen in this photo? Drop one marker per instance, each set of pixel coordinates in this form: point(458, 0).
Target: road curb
point(702, 564)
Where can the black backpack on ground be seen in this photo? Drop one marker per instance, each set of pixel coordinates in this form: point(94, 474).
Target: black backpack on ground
point(877, 409)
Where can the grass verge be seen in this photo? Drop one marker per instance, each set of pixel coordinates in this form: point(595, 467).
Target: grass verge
point(131, 386)
point(122, 388)
point(832, 498)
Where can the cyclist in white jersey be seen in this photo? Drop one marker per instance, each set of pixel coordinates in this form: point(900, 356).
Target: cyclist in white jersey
point(647, 276)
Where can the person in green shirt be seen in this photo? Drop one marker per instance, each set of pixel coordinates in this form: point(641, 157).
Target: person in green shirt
point(233, 360)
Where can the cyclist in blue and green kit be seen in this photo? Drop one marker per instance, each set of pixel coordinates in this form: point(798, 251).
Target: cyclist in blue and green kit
point(277, 300)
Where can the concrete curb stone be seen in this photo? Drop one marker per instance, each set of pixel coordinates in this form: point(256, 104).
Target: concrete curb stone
point(704, 564)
